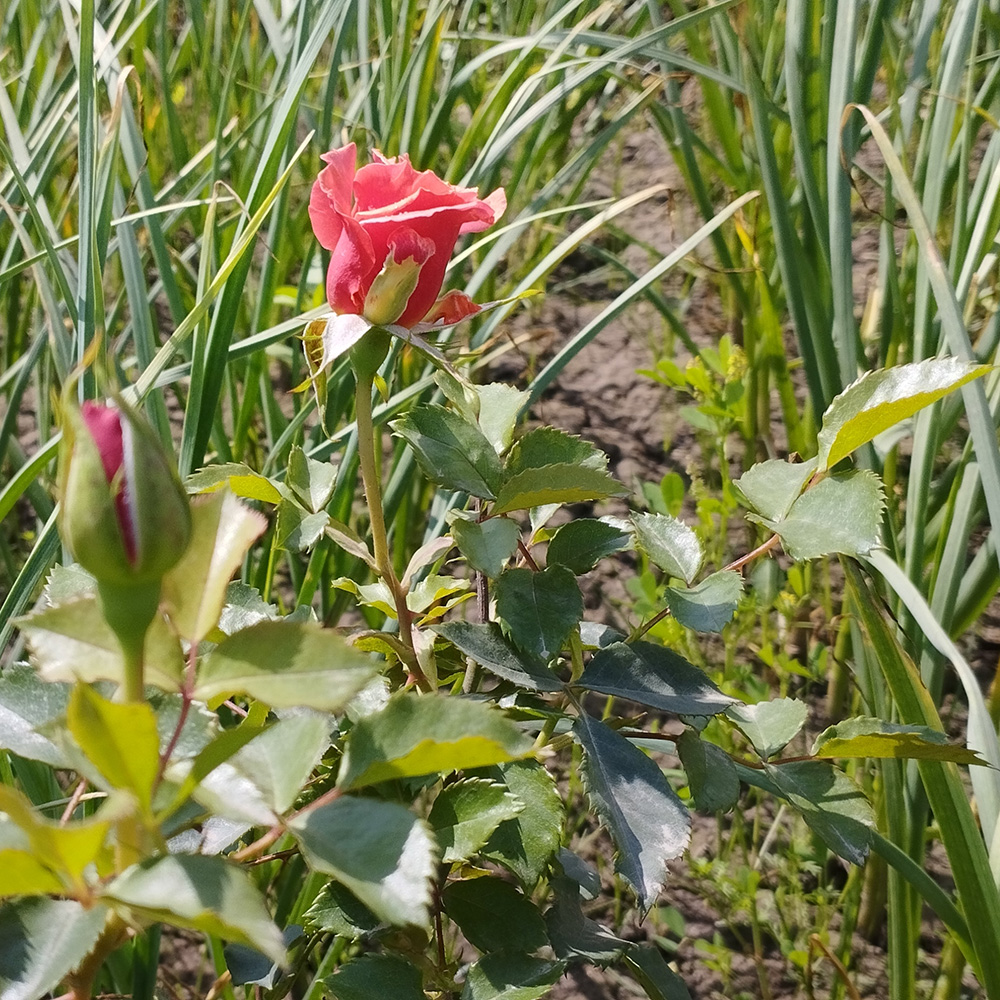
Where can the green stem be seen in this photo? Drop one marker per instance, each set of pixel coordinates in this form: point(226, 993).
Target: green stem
point(369, 455)
point(129, 611)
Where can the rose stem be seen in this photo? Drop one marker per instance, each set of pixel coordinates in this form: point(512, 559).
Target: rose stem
point(370, 455)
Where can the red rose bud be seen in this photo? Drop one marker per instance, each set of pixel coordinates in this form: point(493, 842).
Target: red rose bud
point(124, 516)
point(391, 231)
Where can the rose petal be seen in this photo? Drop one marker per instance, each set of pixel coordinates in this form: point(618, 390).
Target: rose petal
point(330, 201)
point(353, 265)
point(497, 205)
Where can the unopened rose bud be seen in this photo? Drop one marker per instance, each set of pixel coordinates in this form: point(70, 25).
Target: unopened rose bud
point(125, 516)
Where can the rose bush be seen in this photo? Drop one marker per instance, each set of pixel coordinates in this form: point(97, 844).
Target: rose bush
point(391, 231)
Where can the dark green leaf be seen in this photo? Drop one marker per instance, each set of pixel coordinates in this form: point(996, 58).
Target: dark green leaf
point(668, 543)
point(285, 664)
point(771, 487)
point(413, 736)
point(379, 850)
point(582, 544)
point(41, 940)
point(841, 513)
point(206, 894)
point(26, 704)
point(511, 977)
point(465, 814)
point(832, 805)
point(450, 450)
point(487, 545)
point(248, 966)
point(488, 646)
point(711, 773)
point(646, 820)
point(575, 936)
point(494, 915)
point(880, 399)
point(709, 606)
point(862, 737)
point(524, 845)
point(583, 873)
point(539, 609)
point(373, 977)
point(649, 967)
point(769, 725)
point(656, 676)
point(555, 484)
point(339, 911)
point(546, 446)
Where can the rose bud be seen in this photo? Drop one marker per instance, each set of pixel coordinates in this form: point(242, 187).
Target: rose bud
point(391, 231)
point(124, 516)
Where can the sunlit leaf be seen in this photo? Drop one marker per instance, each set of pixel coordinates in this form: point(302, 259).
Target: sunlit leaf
point(555, 484)
point(709, 606)
point(669, 543)
point(862, 737)
point(465, 814)
point(769, 725)
point(581, 544)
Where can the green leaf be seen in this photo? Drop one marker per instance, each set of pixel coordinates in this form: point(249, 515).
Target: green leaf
point(285, 664)
point(841, 513)
point(28, 703)
point(374, 976)
point(500, 404)
point(555, 484)
point(25, 875)
point(715, 786)
point(379, 850)
point(201, 893)
point(338, 911)
point(416, 735)
point(503, 976)
point(880, 399)
point(583, 873)
point(73, 642)
point(465, 814)
point(488, 646)
point(655, 676)
point(832, 805)
point(487, 545)
point(646, 820)
point(121, 740)
point(650, 969)
point(248, 966)
point(222, 531)
point(770, 725)
point(771, 487)
point(494, 915)
point(863, 737)
point(280, 760)
point(41, 940)
point(450, 450)
point(580, 545)
point(238, 479)
point(296, 529)
point(540, 610)
point(311, 481)
point(546, 446)
point(574, 935)
point(669, 543)
point(709, 606)
point(525, 844)
point(67, 849)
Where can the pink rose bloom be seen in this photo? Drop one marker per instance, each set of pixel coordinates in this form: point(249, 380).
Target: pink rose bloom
point(391, 231)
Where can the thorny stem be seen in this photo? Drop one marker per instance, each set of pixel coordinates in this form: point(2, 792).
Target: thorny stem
point(74, 801)
point(368, 455)
point(523, 549)
point(187, 694)
point(254, 850)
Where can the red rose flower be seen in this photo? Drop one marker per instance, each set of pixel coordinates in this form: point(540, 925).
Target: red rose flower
point(391, 231)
